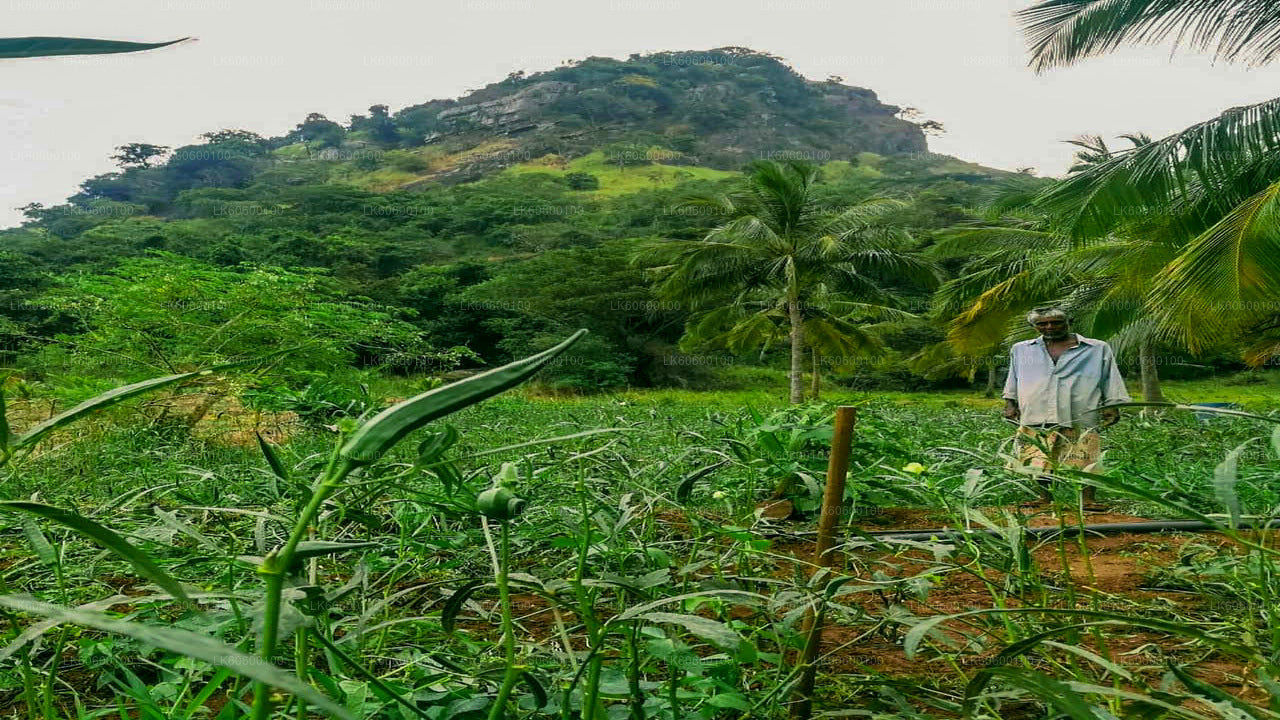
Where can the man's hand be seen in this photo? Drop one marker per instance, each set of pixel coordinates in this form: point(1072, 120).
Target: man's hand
point(1011, 411)
point(1110, 416)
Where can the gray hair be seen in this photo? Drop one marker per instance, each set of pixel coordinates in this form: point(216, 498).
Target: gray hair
point(1047, 312)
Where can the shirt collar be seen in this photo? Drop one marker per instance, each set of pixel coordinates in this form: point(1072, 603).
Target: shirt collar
point(1079, 339)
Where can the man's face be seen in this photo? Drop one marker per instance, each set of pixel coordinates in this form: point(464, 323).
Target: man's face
point(1053, 328)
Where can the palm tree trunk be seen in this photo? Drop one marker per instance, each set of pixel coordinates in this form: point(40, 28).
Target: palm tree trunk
point(990, 392)
point(797, 351)
point(1150, 377)
point(816, 383)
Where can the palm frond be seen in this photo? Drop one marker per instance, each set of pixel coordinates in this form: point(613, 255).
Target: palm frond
point(1127, 340)
point(985, 239)
point(883, 263)
point(847, 309)
point(1061, 32)
point(957, 294)
point(1200, 173)
point(1093, 150)
point(757, 330)
point(832, 337)
point(1264, 347)
point(1226, 279)
point(862, 215)
point(999, 310)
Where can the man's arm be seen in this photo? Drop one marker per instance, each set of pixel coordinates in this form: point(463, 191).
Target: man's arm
point(1113, 389)
point(1011, 409)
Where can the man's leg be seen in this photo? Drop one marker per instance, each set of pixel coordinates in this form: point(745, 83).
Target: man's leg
point(1082, 452)
point(1037, 449)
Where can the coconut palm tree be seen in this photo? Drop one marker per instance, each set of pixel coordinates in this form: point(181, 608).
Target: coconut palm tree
point(782, 259)
point(1215, 185)
point(833, 327)
point(1020, 260)
point(1103, 285)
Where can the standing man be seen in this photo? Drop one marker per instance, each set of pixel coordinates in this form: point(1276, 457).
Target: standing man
point(1058, 390)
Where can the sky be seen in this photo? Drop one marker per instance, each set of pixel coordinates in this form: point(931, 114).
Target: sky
point(263, 65)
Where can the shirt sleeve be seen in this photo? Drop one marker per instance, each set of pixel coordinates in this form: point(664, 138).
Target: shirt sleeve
point(1011, 380)
point(1113, 389)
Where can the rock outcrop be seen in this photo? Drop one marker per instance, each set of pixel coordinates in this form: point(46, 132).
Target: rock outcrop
point(718, 108)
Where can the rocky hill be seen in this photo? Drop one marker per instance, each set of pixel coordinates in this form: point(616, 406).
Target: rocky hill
point(718, 108)
point(493, 222)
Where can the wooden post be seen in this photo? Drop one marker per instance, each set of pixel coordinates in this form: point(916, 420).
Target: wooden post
point(832, 508)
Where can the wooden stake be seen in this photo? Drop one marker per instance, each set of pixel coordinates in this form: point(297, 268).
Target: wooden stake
point(832, 508)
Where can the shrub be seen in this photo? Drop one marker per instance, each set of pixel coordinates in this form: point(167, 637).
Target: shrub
point(582, 181)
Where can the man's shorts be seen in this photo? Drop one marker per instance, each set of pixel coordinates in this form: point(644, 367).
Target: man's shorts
point(1046, 448)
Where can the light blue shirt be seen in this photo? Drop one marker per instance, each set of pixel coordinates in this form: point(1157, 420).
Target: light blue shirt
point(1068, 392)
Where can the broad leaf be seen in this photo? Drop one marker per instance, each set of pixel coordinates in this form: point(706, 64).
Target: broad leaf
point(182, 642)
point(273, 461)
point(316, 548)
point(107, 399)
point(39, 543)
point(452, 606)
point(713, 631)
point(111, 397)
point(685, 488)
point(1225, 476)
point(535, 687)
point(1057, 694)
point(171, 519)
point(29, 47)
point(105, 537)
point(381, 432)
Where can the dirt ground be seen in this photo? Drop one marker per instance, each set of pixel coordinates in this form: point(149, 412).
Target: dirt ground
point(1110, 573)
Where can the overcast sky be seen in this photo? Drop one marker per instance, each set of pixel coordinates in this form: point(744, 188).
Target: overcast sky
point(262, 65)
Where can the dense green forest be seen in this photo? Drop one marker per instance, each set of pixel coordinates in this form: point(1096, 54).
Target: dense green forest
point(459, 234)
point(399, 248)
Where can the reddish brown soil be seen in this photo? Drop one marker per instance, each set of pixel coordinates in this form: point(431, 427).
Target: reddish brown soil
point(1108, 573)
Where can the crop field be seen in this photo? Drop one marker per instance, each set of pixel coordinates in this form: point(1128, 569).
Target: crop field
point(616, 557)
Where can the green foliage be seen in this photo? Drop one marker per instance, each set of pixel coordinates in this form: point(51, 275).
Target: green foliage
point(319, 132)
point(594, 364)
point(582, 181)
point(168, 312)
point(406, 161)
point(783, 268)
point(138, 154)
point(345, 214)
point(650, 536)
point(596, 288)
point(322, 399)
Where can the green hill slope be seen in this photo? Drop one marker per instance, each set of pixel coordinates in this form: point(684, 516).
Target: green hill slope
point(454, 213)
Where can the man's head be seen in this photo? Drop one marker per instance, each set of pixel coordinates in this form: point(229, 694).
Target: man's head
point(1052, 323)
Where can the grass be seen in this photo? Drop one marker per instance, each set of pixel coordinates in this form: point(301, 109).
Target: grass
point(615, 180)
point(638, 581)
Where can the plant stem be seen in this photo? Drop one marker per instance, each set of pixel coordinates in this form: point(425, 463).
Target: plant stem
point(673, 687)
point(276, 564)
point(509, 679)
point(633, 673)
point(300, 666)
point(53, 671)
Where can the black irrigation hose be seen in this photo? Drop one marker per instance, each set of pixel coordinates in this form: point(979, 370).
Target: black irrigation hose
point(1100, 529)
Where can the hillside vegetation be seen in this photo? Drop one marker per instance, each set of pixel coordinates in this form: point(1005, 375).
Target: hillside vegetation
point(466, 231)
